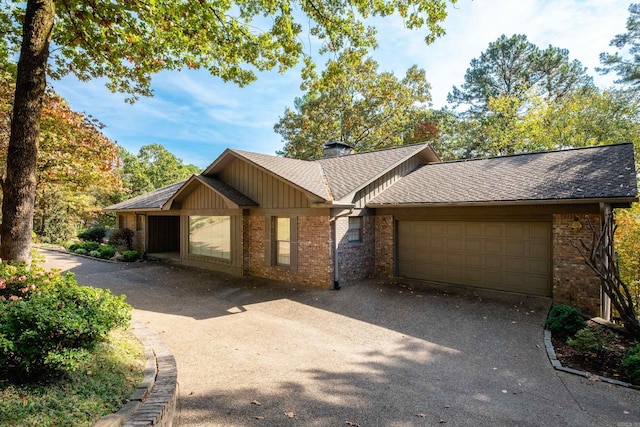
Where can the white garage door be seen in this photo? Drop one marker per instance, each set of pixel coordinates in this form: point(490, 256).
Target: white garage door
point(507, 256)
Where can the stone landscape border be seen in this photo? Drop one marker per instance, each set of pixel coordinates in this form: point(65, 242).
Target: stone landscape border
point(154, 401)
point(558, 366)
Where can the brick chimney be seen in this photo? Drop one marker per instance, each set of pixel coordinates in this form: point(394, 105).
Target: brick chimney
point(335, 149)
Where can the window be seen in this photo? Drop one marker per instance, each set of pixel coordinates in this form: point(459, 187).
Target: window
point(283, 241)
point(354, 233)
point(210, 236)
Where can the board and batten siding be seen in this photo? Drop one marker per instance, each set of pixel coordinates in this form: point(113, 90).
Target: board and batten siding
point(203, 198)
point(376, 187)
point(263, 188)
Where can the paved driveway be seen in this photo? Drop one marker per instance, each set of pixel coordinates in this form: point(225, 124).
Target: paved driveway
point(259, 353)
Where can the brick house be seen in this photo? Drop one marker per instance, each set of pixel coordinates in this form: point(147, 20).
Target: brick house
point(503, 223)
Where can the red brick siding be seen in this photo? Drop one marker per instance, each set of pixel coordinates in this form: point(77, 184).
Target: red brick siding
point(314, 264)
point(384, 246)
point(574, 283)
point(356, 259)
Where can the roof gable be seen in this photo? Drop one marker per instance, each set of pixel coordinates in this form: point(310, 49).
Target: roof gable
point(148, 201)
point(349, 173)
point(604, 172)
point(232, 197)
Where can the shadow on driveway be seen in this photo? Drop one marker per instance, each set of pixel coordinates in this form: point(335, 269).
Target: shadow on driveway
point(257, 352)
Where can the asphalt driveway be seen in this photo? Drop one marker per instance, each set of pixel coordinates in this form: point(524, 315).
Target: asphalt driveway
point(253, 352)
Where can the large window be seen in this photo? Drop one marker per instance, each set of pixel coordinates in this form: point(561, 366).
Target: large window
point(210, 236)
point(283, 241)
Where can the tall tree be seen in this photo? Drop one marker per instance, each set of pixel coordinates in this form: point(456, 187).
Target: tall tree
point(353, 103)
point(626, 62)
point(514, 67)
point(152, 168)
point(127, 41)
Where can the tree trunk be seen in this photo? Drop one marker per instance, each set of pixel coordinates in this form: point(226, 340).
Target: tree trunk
point(19, 185)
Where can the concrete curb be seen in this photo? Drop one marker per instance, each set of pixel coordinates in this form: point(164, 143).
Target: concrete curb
point(154, 400)
point(558, 366)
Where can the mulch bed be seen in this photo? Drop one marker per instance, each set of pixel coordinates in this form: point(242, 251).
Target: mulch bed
point(602, 364)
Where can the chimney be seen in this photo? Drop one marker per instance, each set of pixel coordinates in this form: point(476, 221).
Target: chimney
point(335, 149)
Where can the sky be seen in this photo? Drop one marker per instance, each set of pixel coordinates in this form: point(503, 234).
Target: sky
point(197, 116)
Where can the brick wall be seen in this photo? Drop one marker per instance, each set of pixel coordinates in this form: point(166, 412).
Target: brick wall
point(314, 264)
point(574, 283)
point(355, 259)
point(384, 265)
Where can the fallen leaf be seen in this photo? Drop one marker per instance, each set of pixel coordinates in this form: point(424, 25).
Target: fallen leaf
point(421, 415)
point(504, 391)
point(352, 424)
point(447, 406)
point(25, 402)
point(255, 402)
point(442, 421)
point(625, 412)
point(259, 417)
point(290, 414)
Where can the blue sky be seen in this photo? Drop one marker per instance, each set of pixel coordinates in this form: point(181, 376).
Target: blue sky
point(197, 116)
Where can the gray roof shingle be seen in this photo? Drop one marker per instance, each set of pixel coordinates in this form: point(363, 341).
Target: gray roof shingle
point(153, 200)
point(227, 191)
point(351, 172)
point(604, 172)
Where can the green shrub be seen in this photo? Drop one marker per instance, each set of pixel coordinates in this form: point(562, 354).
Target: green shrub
point(95, 254)
point(595, 340)
point(48, 322)
point(80, 251)
point(107, 251)
point(122, 239)
point(129, 256)
point(631, 364)
point(564, 321)
point(72, 247)
point(93, 234)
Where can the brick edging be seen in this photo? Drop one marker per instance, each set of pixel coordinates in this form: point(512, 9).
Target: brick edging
point(154, 400)
point(558, 366)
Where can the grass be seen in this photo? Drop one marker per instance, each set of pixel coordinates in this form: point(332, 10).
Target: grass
point(101, 386)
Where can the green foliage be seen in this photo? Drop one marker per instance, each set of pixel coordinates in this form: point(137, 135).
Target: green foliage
point(81, 251)
point(122, 238)
point(631, 364)
point(93, 234)
point(129, 256)
point(100, 385)
point(627, 245)
point(564, 321)
point(48, 323)
point(152, 168)
point(353, 103)
point(626, 62)
point(106, 251)
point(595, 340)
point(515, 68)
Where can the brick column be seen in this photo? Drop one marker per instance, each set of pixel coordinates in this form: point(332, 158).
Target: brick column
point(384, 246)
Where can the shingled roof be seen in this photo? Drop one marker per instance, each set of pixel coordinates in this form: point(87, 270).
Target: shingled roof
point(149, 201)
point(596, 173)
point(349, 173)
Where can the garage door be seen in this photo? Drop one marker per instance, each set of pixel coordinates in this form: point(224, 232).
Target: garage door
point(508, 256)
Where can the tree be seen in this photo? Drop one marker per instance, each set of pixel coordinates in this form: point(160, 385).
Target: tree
point(625, 63)
point(125, 42)
point(353, 103)
point(75, 162)
point(152, 168)
point(515, 68)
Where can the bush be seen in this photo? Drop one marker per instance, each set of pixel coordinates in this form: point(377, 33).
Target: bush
point(72, 247)
point(564, 321)
point(595, 340)
point(93, 234)
point(129, 256)
point(107, 251)
point(80, 251)
point(631, 364)
point(95, 254)
point(122, 239)
point(48, 323)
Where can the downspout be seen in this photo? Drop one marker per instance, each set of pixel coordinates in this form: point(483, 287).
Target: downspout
point(334, 248)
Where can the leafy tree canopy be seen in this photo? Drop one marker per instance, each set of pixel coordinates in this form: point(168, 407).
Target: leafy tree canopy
point(517, 69)
point(353, 103)
point(626, 62)
point(152, 168)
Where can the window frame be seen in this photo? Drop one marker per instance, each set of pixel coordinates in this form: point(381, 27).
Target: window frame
point(229, 243)
point(271, 242)
point(360, 222)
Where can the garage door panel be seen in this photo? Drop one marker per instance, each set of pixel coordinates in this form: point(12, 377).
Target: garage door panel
point(510, 256)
